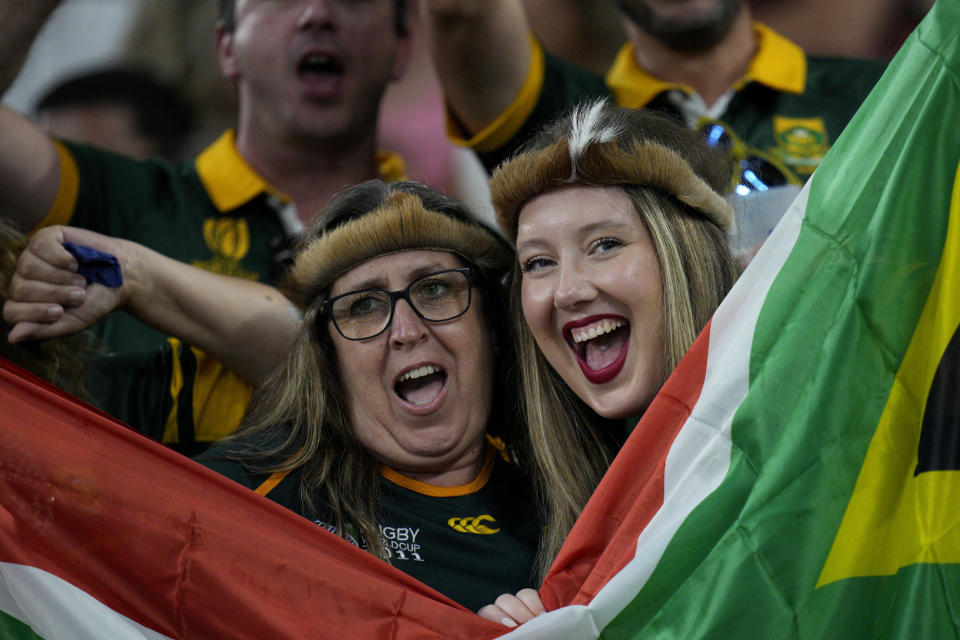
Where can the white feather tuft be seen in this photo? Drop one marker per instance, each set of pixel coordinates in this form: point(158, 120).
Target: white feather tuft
point(585, 130)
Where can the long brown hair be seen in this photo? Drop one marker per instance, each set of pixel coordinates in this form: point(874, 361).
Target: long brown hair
point(298, 418)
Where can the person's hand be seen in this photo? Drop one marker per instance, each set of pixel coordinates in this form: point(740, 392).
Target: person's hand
point(512, 610)
point(48, 298)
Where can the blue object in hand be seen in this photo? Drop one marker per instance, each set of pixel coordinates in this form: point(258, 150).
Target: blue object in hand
point(96, 266)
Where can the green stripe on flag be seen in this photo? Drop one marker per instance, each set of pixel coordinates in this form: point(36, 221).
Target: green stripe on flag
point(13, 629)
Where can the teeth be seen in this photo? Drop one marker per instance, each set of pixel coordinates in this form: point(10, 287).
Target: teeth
point(317, 59)
point(582, 335)
point(419, 373)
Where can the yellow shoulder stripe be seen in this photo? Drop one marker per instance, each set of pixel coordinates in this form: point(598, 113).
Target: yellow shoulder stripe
point(220, 398)
point(271, 483)
point(508, 123)
point(171, 433)
point(62, 210)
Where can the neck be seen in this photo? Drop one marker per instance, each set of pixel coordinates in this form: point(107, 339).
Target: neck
point(310, 173)
point(710, 73)
point(464, 471)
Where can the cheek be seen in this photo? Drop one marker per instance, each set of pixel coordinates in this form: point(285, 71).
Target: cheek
point(252, 45)
point(537, 305)
point(636, 284)
point(353, 369)
point(536, 301)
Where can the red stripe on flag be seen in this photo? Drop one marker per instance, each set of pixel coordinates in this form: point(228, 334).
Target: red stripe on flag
point(604, 538)
point(180, 549)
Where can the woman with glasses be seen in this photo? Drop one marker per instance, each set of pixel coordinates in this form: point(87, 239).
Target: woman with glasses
point(390, 420)
point(386, 421)
point(622, 257)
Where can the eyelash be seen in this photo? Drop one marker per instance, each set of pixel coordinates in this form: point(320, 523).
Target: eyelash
point(612, 241)
point(531, 264)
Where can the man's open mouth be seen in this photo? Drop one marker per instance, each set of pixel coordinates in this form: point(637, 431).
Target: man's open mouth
point(422, 385)
point(320, 67)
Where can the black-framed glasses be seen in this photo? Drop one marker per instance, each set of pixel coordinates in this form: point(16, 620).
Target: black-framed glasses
point(757, 170)
point(366, 313)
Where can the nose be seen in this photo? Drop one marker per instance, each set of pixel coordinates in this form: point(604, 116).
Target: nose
point(574, 287)
point(406, 328)
point(316, 14)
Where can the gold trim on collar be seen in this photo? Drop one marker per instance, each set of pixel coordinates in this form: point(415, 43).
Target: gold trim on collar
point(61, 211)
point(632, 85)
point(778, 64)
point(390, 166)
point(229, 180)
point(443, 492)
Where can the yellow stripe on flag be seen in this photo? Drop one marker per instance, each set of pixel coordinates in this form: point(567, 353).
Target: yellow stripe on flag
point(895, 518)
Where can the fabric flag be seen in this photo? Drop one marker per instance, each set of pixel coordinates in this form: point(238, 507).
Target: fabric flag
point(799, 475)
point(107, 534)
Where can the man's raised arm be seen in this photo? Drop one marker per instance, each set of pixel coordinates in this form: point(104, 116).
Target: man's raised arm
point(481, 50)
point(246, 325)
point(29, 166)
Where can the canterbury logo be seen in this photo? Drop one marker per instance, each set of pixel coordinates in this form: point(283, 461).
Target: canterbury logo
point(473, 525)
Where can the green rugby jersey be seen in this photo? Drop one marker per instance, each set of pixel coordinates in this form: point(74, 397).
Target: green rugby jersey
point(788, 105)
point(471, 543)
point(174, 394)
point(215, 212)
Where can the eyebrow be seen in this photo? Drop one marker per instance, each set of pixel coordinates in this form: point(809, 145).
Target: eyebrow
point(602, 224)
point(378, 281)
point(593, 227)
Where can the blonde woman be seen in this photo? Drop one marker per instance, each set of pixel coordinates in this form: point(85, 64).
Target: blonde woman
point(621, 234)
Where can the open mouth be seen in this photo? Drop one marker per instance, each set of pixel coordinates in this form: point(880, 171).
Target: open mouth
point(421, 386)
point(320, 67)
point(601, 347)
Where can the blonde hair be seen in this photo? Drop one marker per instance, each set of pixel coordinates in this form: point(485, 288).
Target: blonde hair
point(675, 183)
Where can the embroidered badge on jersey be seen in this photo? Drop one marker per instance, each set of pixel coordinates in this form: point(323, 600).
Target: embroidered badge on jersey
point(352, 535)
point(229, 241)
point(800, 142)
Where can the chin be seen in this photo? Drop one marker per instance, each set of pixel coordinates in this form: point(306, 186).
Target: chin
point(618, 409)
point(439, 447)
point(618, 413)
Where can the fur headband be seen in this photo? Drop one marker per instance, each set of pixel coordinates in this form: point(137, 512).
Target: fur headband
point(400, 224)
point(595, 158)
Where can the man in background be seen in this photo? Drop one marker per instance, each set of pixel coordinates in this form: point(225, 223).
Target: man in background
point(309, 78)
point(705, 62)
